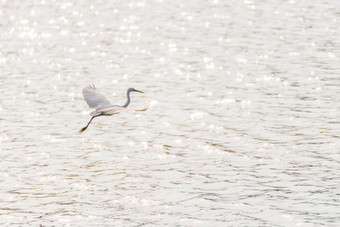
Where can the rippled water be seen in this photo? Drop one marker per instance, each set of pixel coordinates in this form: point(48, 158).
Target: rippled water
point(241, 126)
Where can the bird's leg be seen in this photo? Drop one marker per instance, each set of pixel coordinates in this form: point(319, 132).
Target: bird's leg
point(83, 129)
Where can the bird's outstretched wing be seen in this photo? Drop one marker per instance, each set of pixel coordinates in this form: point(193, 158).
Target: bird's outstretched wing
point(93, 98)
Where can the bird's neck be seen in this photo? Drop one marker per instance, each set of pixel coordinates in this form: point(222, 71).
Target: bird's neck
point(128, 100)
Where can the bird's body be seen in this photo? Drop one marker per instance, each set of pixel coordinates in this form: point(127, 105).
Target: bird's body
point(102, 106)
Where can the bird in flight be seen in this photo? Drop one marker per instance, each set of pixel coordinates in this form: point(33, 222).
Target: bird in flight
point(101, 105)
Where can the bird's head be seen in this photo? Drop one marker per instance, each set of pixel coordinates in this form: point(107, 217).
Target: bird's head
point(132, 89)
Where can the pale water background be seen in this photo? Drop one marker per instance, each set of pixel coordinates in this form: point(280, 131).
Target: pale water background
point(242, 125)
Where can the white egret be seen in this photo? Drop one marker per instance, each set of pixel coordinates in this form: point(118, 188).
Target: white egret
point(102, 106)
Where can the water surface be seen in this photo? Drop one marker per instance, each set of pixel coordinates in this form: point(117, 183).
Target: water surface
point(241, 126)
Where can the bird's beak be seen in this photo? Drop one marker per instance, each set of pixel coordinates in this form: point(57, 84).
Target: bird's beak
point(138, 91)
